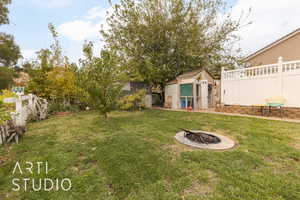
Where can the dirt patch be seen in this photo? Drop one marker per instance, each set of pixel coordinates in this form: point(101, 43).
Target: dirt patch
point(126, 114)
point(177, 148)
point(296, 144)
point(83, 165)
point(197, 189)
point(74, 168)
point(280, 167)
point(6, 155)
point(63, 113)
point(188, 118)
point(283, 169)
point(200, 188)
point(295, 140)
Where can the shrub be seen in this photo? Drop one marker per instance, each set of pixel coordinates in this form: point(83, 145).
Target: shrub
point(4, 114)
point(134, 101)
point(7, 94)
point(102, 78)
point(59, 107)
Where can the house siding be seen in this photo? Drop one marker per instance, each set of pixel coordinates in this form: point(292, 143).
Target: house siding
point(289, 50)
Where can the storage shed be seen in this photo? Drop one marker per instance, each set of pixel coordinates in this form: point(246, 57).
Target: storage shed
point(195, 89)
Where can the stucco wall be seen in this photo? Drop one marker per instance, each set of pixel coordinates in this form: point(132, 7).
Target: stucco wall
point(148, 101)
point(288, 49)
point(206, 76)
point(171, 92)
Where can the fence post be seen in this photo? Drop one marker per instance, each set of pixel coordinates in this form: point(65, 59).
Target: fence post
point(30, 101)
point(18, 110)
point(222, 72)
point(280, 61)
point(18, 104)
point(222, 85)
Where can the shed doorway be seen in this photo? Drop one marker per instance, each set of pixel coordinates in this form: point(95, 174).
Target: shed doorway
point(198, 98)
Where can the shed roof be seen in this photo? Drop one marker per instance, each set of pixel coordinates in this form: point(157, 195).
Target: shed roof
point(172, 82)
point(188, 74)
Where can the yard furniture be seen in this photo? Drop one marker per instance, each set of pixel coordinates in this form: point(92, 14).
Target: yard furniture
point(261, 107)
point(275, 102)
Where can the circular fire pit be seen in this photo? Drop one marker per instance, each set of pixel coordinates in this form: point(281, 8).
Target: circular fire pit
point(204, 140)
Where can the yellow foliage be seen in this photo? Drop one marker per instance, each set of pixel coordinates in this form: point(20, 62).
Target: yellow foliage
point(134, 101)
point(7, 94)
point(62, 83)
point(4, 107)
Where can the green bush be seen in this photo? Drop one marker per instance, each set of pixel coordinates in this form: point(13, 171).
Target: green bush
point(134, 101)
point(5, 108)
point(4, 114)
point(59, 107)
point(7, 94)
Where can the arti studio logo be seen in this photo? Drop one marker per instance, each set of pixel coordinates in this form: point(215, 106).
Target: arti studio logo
point(41, 184)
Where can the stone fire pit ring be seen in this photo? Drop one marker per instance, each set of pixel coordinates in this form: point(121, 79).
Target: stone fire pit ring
point(226, 143)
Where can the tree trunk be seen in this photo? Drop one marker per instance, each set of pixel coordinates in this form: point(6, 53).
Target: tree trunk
point(162, 94)
point(105, 115)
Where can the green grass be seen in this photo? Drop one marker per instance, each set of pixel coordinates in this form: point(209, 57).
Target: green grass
point(135, 156)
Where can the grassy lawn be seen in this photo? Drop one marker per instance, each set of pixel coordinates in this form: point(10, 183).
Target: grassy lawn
point(135, 156)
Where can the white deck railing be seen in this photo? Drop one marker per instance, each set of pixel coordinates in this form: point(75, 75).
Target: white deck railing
point(261, 71)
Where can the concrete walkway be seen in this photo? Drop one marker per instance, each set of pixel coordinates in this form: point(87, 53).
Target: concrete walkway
point(233, 114)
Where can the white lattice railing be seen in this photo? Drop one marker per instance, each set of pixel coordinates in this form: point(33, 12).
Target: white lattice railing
point(260, 71)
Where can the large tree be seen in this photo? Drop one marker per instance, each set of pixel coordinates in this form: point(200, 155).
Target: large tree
point(159, 39)
point(4, 11)
point(6, 77)
point(52, 76)
point(102, 78)
point(9, 51)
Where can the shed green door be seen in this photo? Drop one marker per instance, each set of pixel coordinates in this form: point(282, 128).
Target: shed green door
point(186, 90)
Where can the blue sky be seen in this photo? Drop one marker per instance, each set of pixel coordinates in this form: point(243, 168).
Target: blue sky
point(29, 21)
point(79, 20)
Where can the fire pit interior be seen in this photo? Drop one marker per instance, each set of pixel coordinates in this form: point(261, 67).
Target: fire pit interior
point(201, 137)
point(204, 140)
